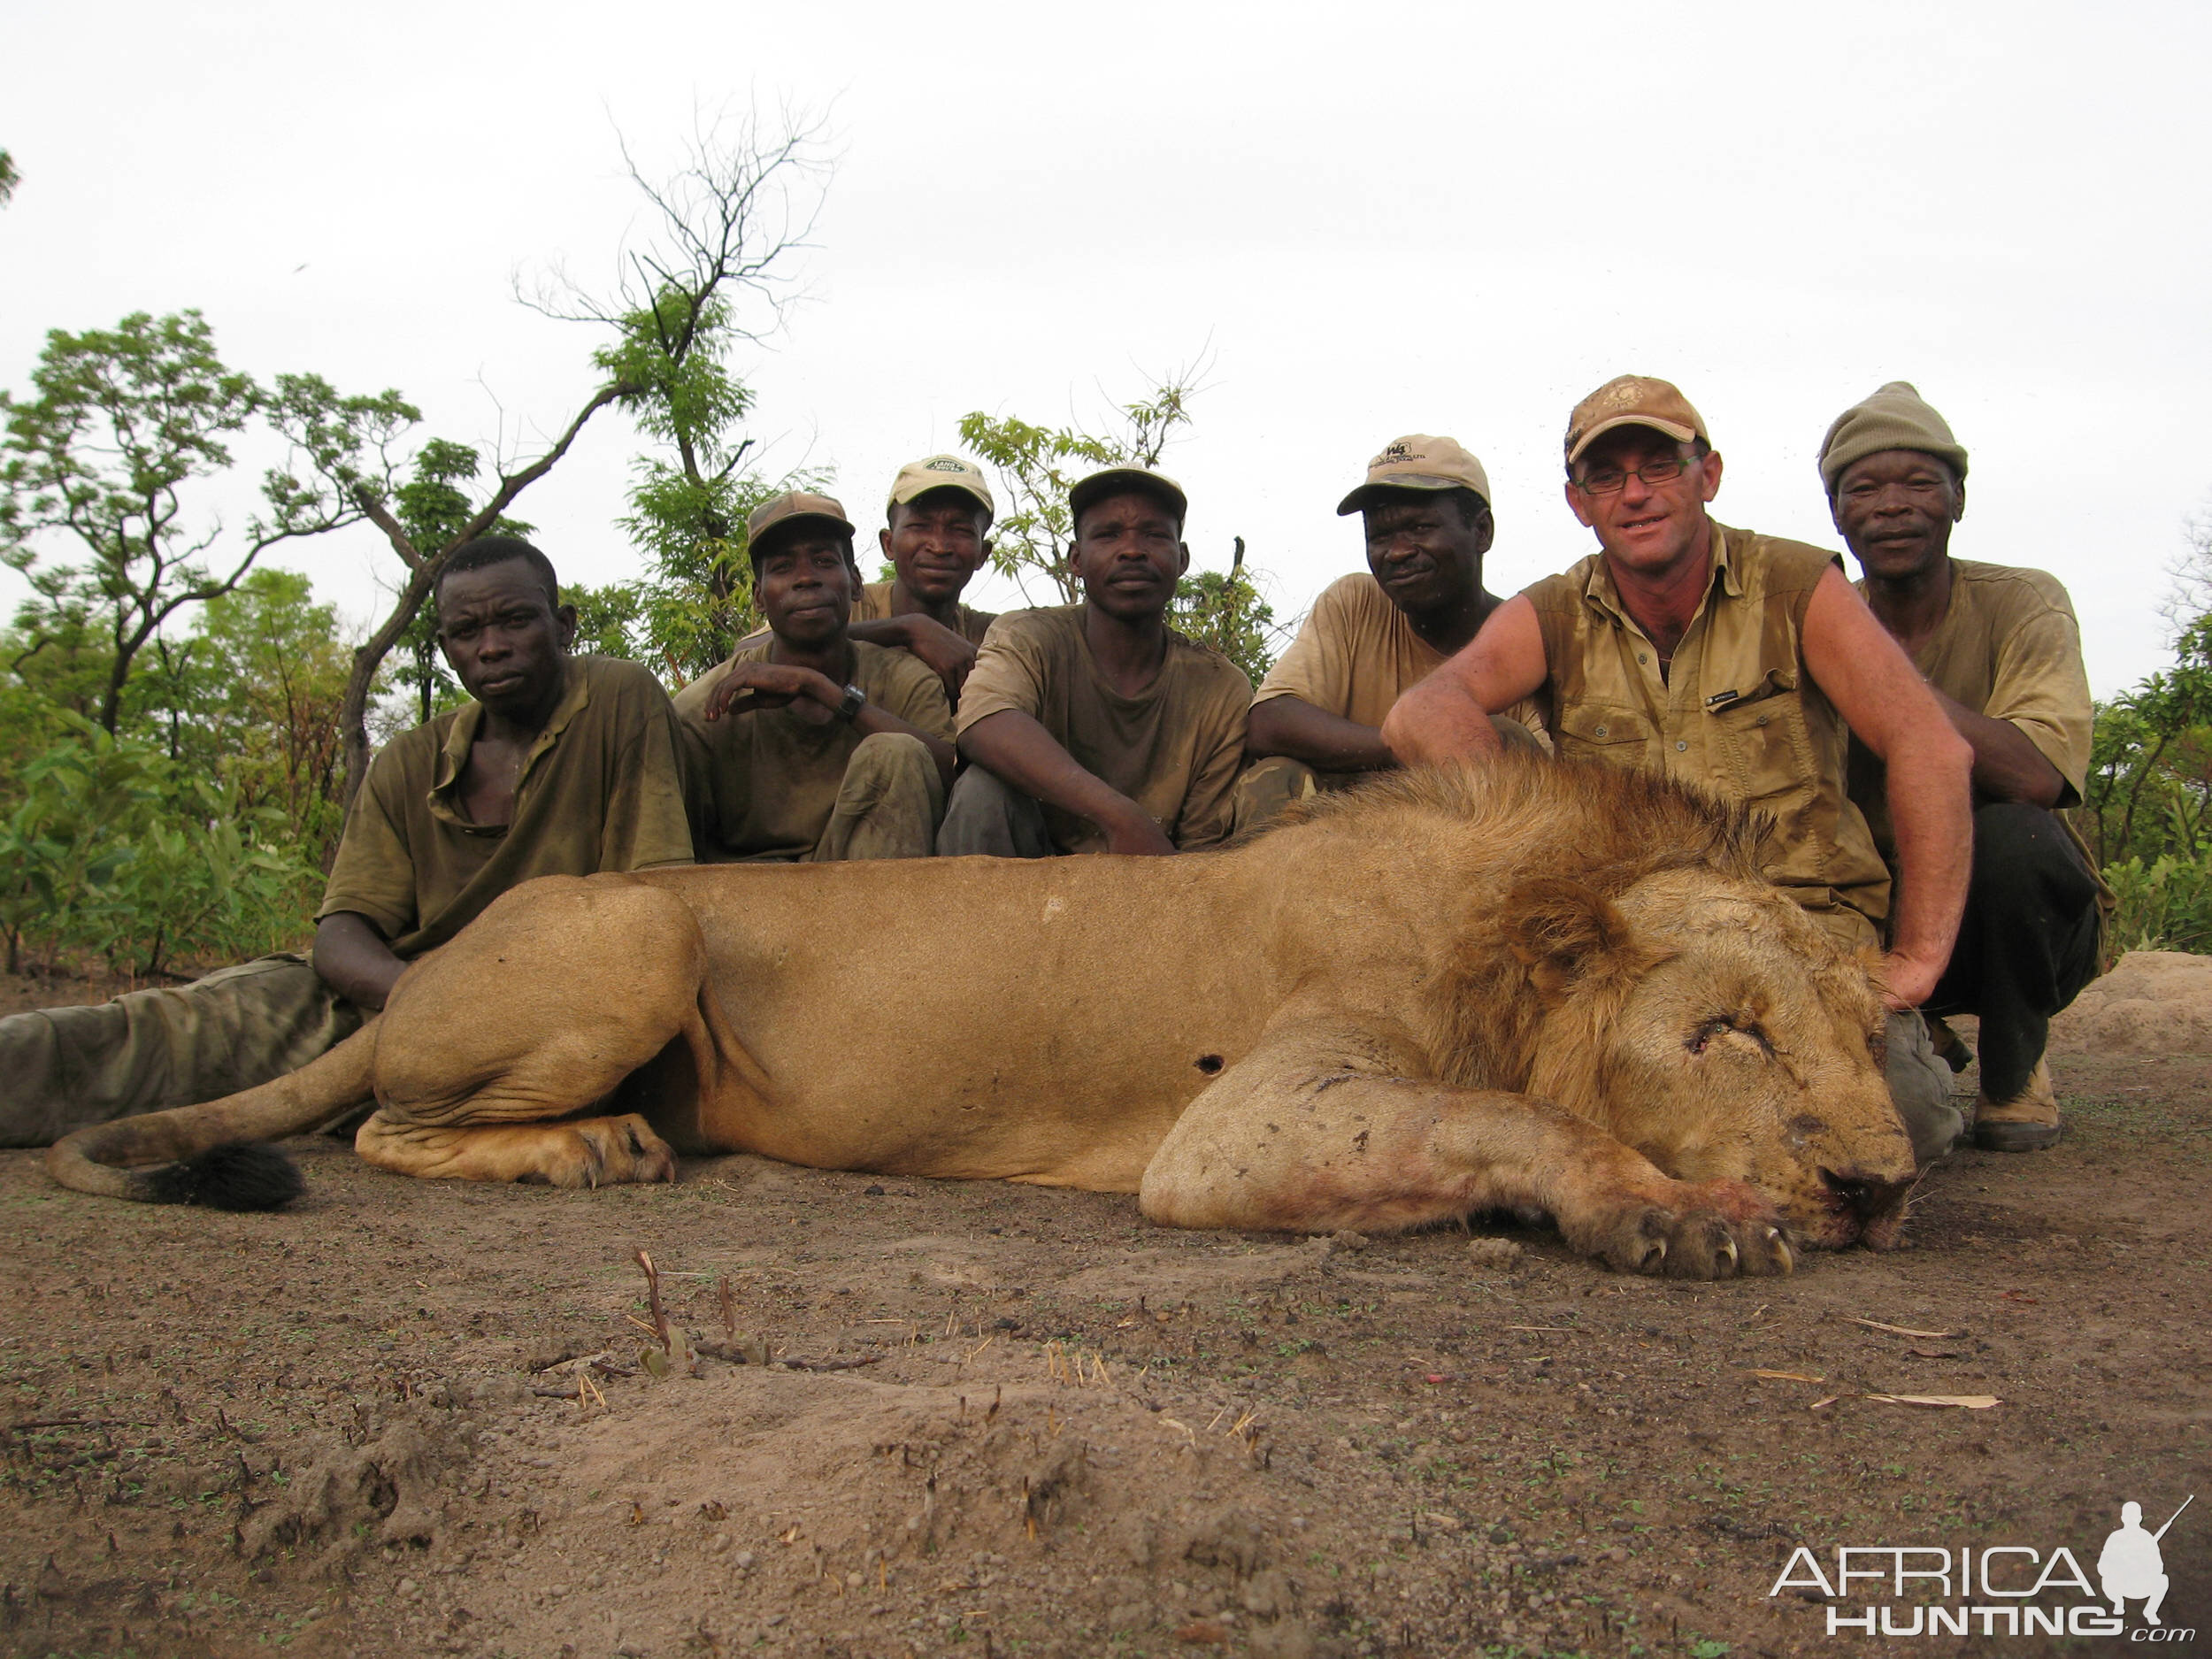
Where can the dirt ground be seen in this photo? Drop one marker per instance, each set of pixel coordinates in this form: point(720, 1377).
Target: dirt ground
point(978, 1419)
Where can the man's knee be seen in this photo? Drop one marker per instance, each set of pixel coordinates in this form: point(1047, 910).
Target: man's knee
point(889, 763)
point(987, 817)
point(2021, 850)
point(1268, 786)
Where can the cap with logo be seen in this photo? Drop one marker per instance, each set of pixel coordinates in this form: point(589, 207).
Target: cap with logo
point(1894, 418)
point(917, 479)
point(1116, 481)
point(1418, 461)
point(794, 507)
point(1633, 400)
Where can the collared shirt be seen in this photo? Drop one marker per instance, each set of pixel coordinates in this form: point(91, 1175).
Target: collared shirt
point(1356, 654)
point(600, 789)
point(2007, 647)
point(1736, 711)
point(1174, 748)
point(874, 605)
point(765, 783)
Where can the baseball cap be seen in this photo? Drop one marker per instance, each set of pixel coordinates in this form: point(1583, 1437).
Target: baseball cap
point(1115, 480)
point(917, 479)
point(1633, 400)
point(1418, 461)
point(796, 506)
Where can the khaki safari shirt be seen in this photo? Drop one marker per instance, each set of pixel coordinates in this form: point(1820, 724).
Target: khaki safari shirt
point(1737, 714)
point(2007, 647)
point(765, 783)
point(1357, 654)
point(874, 605)
point(1174, 749)
point(601, 789)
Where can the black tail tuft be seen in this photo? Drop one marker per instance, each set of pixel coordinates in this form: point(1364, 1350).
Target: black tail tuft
point(245, 1175)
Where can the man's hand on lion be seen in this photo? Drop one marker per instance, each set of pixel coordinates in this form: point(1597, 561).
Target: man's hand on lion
point(812, 697)
point(1907, 981)
point(1137, 833)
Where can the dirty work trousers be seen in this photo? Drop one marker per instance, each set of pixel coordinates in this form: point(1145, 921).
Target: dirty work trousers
point(63, 1068)
point(2028, 943)
point(888, 804)
point(992, 818)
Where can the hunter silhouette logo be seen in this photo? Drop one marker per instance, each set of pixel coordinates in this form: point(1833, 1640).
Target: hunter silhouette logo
point(1993, 1590)
point(2130, 1564)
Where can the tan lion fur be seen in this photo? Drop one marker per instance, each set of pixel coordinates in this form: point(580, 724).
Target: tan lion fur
point(1531, 987)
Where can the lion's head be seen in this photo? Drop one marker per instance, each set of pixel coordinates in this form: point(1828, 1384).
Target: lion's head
point(1705, 1021)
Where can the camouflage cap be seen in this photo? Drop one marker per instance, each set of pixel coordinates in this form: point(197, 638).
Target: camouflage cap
point(917, 479)
point(1418, 461)
point(1115, 480)
point(793, 507)
point(1633, 400)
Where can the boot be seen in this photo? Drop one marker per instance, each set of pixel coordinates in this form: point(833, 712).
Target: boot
point(2026, 1123)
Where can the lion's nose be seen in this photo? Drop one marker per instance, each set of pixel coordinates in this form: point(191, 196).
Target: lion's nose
point(1868, 1196)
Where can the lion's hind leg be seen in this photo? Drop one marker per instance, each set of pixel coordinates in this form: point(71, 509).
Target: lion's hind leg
point(494, 1049)
point(1329, 1122)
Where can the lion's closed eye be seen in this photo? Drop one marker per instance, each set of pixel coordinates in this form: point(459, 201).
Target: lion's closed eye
point(1722, 1027)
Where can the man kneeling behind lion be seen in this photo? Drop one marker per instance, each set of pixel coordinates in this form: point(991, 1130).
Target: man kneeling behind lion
point(1533, 987)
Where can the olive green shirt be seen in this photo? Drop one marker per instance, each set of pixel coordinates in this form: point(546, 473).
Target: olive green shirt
point(873, 604)
point(2009, 647)
point(600, 789)
point(1174, 748)
point(1736, 712)
point(765, 783)
point(1356, 654)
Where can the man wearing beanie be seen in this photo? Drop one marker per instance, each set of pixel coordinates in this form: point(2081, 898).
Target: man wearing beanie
point(2000, 649)
point(1425, 511)
point(1745, 664)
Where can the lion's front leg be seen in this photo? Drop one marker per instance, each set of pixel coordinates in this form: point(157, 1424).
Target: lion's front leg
point(1330, 1124)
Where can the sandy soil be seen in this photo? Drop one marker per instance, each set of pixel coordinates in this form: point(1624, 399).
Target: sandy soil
point(976, 1420)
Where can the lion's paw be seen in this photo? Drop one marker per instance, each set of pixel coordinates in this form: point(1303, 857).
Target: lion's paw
point(1710, 1232)
point(609, 1151)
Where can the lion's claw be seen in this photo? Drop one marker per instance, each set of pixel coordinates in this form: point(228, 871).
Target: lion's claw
point(609, 1152)
point(1705, 1235)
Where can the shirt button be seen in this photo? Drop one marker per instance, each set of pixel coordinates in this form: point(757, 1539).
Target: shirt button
point(1641, 658)
point(1597, 731)
point(1762, 720)
point(1681, 748)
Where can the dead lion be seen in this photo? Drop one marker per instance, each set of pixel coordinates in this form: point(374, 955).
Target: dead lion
point(1533, 988)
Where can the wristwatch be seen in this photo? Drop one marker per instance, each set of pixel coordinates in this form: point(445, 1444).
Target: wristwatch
point(850, 708)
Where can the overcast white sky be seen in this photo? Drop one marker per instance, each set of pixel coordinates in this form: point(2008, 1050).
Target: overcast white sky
point(1375, 219)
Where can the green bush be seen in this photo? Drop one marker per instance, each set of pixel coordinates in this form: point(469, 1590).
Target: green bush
point(2165, 906)
point(112, 850)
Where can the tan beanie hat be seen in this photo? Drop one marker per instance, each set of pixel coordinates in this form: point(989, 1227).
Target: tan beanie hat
point(1894, 418)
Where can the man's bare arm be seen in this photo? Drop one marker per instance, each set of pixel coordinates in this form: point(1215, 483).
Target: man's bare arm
point(1017, 749)
point(2007, 766)
point(1892, 710)
point(1447, 715)
point(354, 960)
point(948, 655)
point(1329, 742)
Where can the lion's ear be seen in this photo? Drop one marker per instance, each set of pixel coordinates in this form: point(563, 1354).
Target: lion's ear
point(1565, 932)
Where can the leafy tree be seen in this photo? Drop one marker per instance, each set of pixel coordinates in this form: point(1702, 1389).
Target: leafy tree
point(1224, 610)
point(1037, 466)
point(122, 421)
point(9, 178)
point(726, 232)
point(1035, 535)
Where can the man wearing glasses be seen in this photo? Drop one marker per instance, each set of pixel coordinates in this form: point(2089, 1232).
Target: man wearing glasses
point(1744, 664)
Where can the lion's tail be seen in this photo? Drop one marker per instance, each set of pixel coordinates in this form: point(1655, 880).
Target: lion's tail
point(214, 1153)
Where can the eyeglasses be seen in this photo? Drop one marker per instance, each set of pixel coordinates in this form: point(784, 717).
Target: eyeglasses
point(1611, 480)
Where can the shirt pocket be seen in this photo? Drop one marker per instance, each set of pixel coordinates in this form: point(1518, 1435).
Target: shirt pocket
point(1764, 746)
point(1606, 732)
